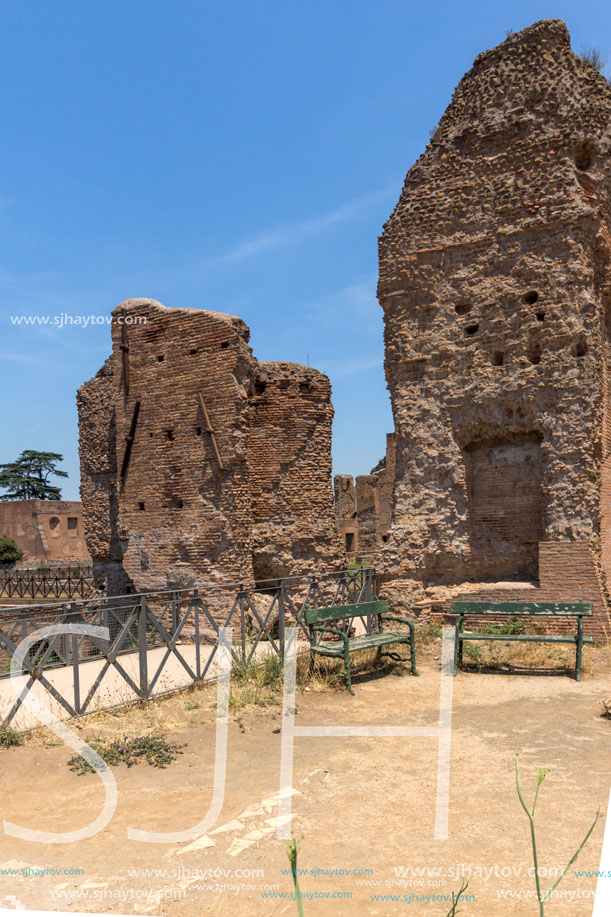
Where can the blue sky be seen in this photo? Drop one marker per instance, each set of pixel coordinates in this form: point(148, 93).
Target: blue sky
point(233, 156)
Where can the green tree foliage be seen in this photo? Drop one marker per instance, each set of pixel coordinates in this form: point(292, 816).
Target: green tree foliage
point(9, 552)
point(27, 478)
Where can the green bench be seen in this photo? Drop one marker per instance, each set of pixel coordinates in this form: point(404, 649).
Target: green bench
point(322, 621)
point(578, 610)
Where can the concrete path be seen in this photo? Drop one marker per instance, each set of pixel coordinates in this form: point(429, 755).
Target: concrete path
point(113, 689)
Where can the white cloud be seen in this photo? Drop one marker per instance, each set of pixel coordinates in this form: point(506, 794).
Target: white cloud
point(296, 232)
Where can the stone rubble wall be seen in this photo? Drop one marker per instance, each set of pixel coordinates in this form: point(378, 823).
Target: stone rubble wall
point(495, 291)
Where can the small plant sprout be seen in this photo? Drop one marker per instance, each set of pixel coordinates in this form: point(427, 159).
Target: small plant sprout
point(456, 898)
point(292, 850)
point(543, 896)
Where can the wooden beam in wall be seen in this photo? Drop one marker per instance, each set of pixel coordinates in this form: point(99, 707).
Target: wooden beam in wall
point(209, 429)
point(129, 441)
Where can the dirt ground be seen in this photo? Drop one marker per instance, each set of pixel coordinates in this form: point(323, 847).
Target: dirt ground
point(366, 806)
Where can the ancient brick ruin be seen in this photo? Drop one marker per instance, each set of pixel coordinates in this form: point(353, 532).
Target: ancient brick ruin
point(364, 506)
point(46, 531)
point(198, 463)
point(495, 282)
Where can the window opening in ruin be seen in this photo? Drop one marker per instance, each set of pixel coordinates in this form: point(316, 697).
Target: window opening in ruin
point(53, 523)
point(193, 350)
point(141, 506)
point(534, 353)
point(198, 431)
point(260, 387)
point(72, 523)
point(580, 347)
point(169, 434)
point(160, 358)
point(461, 308)
point(531, 297)
point(384, 538)
point(471, 329)
point(224, 345)
point(498, 358)
point(305, 387)
point(349, 541)
point(540, 316)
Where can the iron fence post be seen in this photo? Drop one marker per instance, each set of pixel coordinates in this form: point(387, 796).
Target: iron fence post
point(242, 623)
point(281, 619)
point(75, 665)
point(198, 661)
point(142, 649)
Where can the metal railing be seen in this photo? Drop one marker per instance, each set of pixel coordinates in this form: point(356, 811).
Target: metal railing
point(67, 582)
point(182, 625)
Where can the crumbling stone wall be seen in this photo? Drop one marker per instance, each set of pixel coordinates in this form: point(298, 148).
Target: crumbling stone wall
point(166, 459)
point(289, 456)
point(495, 286)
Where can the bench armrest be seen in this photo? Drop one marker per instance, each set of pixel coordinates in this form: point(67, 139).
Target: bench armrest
point(324, 629)
point(388, 617)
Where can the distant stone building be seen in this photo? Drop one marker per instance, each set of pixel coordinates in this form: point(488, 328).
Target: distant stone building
point(364, 506)
point(495, 282)
point(198, 463)
point(47, 531)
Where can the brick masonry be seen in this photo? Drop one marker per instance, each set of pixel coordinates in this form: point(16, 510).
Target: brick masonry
point(173, 512)
point(495, 283)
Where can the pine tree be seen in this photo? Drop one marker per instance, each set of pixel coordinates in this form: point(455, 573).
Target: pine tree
point(27, 478)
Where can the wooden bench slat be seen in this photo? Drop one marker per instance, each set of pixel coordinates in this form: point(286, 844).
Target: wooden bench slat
point(368, 641)
point(336, 612)
point(522, 608)
point(533, 638)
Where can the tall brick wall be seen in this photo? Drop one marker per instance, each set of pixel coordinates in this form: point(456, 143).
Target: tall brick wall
point(98, 459)
point(492, 282)
point(289, 456)
point(176, 510)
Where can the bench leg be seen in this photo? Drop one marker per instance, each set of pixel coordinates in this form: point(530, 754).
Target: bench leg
point(457, 646)
point(579, 648)
point(311, 665)
point(347, 667)
point(412, 646)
